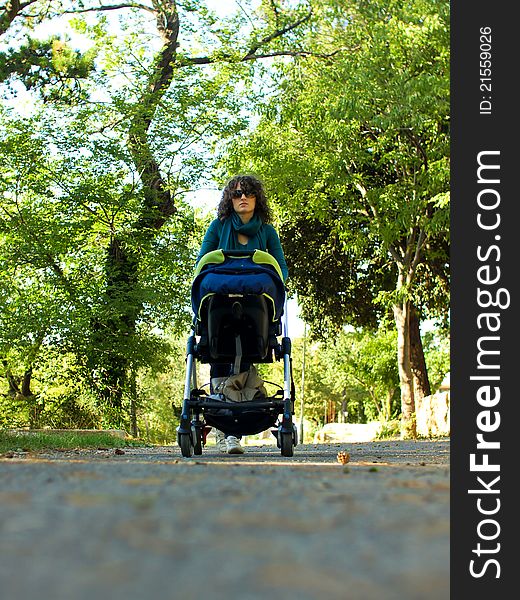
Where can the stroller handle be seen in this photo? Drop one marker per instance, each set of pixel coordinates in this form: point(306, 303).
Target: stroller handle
point(257, 256)
point(240, 253)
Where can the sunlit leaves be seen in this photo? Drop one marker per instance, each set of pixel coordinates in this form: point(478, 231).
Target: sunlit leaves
point(52, 67)
point(360, 141)
point(93, 218)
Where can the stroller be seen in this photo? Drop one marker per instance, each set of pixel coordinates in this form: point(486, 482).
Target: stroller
point(238, 300)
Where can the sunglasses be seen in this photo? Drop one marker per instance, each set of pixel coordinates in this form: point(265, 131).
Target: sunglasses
point(238, 194)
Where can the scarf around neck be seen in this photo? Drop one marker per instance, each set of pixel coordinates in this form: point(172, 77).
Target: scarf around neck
point(233, 225)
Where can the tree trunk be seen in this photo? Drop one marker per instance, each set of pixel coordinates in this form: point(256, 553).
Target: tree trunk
point(388, 404)
point(133, 405)
point(35, 407)
point(344, 408)
point(113, 332)
point(10, 12)
point(379, 405)
point(20, 390)
point(402, 321)
point(417, 360)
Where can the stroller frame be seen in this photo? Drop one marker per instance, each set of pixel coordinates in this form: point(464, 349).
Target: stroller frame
point(274, 411)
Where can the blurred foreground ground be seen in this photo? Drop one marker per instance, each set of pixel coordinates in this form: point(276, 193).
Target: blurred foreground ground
point(148, 523)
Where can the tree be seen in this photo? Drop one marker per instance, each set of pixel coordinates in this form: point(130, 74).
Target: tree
point(366, 360)
point(352, 376)
point(359, 142)
point(335, 285)
point(57, 215)
point(149, 105)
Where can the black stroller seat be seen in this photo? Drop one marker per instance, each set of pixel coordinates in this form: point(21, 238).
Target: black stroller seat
point(238, 300)
point(246, 318)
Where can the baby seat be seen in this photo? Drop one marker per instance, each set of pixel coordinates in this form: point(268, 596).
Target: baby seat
point(238, 300)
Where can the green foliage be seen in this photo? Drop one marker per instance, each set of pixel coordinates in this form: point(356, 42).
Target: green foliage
point(390, 430)
point(362, 364)
point(352, 378)
point(51, 67)
point(355, 151)
point(58, 214)
point(97, 245)
point(159, 391)
point(331, 280)
point(437, 354)
point(39, 441)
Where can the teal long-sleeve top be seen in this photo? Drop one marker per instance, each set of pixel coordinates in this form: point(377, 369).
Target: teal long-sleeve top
point(266, 239)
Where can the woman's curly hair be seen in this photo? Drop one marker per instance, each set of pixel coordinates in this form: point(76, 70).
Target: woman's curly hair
point(251, 186)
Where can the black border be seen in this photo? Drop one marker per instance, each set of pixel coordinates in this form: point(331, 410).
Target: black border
point(472, 133)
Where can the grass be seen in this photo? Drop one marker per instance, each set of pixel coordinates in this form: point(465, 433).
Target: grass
point(390, 430)
point(35, 441)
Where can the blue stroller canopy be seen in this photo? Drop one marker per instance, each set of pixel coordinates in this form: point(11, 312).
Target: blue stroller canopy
point(238, 272)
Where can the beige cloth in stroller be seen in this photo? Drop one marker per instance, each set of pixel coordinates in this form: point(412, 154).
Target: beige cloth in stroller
point(242, 387)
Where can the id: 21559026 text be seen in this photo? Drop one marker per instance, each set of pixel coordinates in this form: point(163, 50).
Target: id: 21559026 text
point(485, 48)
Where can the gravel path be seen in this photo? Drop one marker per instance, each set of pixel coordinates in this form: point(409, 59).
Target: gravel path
point(150, 524)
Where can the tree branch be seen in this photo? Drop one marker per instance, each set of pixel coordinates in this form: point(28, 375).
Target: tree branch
point(12, 9)
point(395, 255)
point(208, 60)
point(110, 7)
point(277, 33)
point(158, 199)
point(251, 54)
point(410, 243)
point(418, 248)
point(415, 142)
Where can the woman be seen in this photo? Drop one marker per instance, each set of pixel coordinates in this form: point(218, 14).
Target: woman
point(242, 223)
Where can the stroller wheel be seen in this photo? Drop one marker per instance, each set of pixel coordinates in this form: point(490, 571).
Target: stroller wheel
point(286, 443)
point(185, 444)
point(196, 433)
